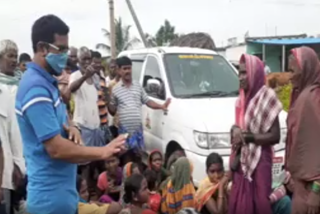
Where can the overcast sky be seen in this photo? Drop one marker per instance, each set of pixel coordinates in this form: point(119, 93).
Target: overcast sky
point(222, 19)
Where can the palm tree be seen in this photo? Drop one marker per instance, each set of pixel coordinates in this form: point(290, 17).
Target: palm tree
point(123, 39)
point(165, 34)
point(151, 40)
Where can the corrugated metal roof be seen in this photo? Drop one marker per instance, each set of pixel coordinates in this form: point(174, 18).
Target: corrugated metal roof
point(286, 41)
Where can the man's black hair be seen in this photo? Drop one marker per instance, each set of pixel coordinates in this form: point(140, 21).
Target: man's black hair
point(123, 61)
point(24, 57)
point(45, 28)
point(96, 54)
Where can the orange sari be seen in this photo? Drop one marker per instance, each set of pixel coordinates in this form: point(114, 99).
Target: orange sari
point(204, 193)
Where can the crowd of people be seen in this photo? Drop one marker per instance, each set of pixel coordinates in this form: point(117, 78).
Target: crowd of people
point(72, 138)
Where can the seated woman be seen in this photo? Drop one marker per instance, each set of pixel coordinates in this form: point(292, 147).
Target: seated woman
point(211, 197)
point(155, 197)
point(136, 194)
point(85, 207)
point(178, 190)
point(155, 163)
point(128, 170)
point(109, 182)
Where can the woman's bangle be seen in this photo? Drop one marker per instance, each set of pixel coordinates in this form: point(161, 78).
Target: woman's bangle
point(248, 137)
point(315, 187)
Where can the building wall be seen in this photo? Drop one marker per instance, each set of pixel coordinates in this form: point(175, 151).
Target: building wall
point(234, 53)
point(272, 57)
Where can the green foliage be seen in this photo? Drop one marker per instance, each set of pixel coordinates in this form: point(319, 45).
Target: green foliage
point(165, 34)
point(284, 93)
point(123, 39)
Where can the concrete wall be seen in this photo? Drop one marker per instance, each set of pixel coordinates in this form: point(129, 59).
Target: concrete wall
point(234, 53)
point(272, 57)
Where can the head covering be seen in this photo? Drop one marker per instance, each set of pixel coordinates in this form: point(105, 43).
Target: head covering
point(255, 79)
point(302, 148)
point(178, 192)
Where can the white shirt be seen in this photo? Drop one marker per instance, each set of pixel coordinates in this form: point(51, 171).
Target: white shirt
point(11, 142)
point(108, 80)
point(86, 112)
point(267, 70)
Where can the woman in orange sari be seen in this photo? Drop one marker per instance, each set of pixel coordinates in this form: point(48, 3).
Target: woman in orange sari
point(302, 149)
point(211, 195)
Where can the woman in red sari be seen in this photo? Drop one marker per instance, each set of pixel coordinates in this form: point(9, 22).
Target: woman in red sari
point(257, 129)
point(303, 146)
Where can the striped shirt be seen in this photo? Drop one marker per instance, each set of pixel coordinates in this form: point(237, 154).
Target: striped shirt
point(102, 105)
point(128, 101)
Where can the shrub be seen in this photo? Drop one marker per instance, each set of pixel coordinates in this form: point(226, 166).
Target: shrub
point(284, 93)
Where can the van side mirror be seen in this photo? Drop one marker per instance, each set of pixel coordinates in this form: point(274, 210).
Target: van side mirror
point(154, 88)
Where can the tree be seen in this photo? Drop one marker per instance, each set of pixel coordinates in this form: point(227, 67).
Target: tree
point(123, 39)
point(151, 40)
point(165, 34)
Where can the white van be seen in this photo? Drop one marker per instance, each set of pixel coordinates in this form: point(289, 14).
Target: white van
point(203, 87)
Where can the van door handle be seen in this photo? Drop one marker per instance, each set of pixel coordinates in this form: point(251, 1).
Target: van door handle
point(165, 113)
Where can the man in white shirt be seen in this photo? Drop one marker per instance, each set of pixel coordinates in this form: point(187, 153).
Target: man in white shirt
point(86, 112)
point(14, 167)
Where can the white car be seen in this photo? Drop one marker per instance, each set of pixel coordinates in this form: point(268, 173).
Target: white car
point(203, 87)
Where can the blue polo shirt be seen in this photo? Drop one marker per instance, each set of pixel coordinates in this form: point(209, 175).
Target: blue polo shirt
point(41, 114)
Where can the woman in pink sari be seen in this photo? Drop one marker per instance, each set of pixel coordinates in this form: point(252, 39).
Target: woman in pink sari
point(257, 129)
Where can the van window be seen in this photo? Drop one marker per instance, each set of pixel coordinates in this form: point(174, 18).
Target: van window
point(136, 69)
point(152, 71)
point(194, 75)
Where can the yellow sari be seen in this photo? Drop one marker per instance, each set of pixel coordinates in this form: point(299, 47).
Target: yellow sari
point(204, 193)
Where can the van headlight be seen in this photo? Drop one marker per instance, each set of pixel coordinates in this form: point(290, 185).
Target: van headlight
point(211, 140)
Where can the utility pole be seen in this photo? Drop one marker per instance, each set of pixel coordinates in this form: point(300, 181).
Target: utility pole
point(136, 21)
point(112, 30)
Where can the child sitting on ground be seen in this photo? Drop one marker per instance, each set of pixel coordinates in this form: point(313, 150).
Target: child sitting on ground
point(128, 170)
point(85, 207)
point(155, 163)
point(109, 182)
point(154, 196)
point(136, 194)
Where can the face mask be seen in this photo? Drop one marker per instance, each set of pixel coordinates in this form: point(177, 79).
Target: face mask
point(57, 62)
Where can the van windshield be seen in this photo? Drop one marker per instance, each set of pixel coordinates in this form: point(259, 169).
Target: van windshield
point(196, 75)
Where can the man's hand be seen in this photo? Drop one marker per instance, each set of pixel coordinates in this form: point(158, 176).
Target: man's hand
point(73, 134)
point(116, 146)
point(166, 105)
point(90, 71)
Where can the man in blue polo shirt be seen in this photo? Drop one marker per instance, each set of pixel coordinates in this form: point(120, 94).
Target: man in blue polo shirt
point(50, 157)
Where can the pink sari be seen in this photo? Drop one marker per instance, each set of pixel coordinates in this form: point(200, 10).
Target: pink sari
point(252, 181)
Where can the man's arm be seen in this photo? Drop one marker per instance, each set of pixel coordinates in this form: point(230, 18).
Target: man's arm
point(150, 103)
point(75, 84)
point(16, 141)
point(154, 105)
point(42, 117)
